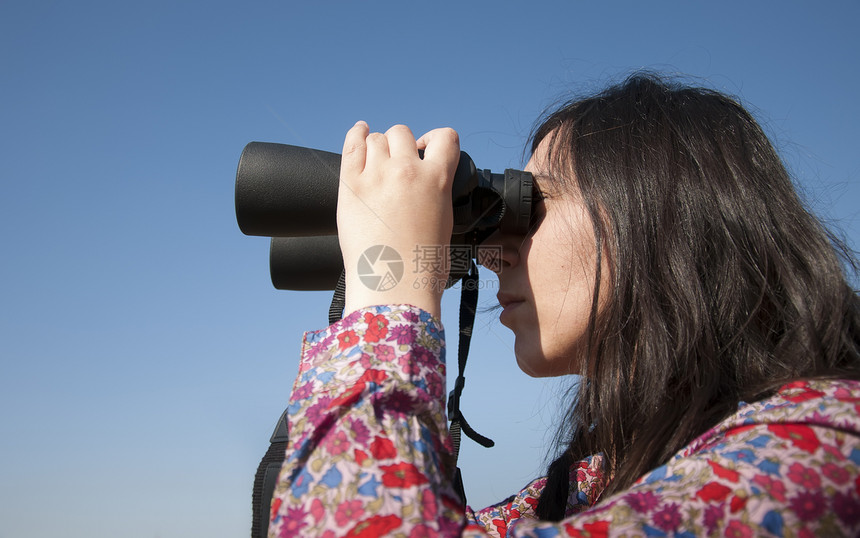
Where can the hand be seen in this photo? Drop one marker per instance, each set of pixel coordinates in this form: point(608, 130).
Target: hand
point(389, 196)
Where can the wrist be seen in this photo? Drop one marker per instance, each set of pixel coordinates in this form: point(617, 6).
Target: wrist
point(419, 291)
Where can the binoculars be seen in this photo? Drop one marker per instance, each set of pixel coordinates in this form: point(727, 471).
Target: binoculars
point(289, 193)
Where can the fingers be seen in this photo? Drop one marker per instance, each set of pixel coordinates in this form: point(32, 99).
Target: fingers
point(377, 151)
point(401, 142)
point(365, 150)
point(442, 146)
point(354, 154)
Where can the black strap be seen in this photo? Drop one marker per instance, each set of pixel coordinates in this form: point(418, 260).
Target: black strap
point(468, 305)
point(338, 300)
point(267, 477)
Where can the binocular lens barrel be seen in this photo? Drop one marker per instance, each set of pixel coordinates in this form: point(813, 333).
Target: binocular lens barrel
point(289, 193)
point(305, 263)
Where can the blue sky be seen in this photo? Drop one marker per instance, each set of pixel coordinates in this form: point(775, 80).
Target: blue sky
point(144, 355)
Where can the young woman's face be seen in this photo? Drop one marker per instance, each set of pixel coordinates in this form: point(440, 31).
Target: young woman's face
point(546, 281)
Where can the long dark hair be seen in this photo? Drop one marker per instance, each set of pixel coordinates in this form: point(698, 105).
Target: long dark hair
point(723, 286)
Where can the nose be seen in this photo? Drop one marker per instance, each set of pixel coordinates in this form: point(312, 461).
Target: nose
point(498, 252)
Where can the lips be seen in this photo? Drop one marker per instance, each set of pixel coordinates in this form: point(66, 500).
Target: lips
point(506, 299)
point(509, 304)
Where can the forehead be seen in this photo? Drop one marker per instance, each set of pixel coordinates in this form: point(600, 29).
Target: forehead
point(550, 175)
point(538, 162)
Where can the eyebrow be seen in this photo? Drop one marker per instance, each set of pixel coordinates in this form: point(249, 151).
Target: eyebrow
point(541, 186)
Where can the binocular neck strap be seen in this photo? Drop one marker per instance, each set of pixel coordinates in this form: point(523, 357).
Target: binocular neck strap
point(468, 306)
point(338, 300)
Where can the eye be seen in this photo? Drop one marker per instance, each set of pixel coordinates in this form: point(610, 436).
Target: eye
point(538, 214)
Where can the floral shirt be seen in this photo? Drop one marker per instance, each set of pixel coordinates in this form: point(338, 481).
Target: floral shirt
point(369, 455)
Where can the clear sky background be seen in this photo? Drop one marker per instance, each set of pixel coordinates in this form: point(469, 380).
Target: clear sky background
point(144, 355)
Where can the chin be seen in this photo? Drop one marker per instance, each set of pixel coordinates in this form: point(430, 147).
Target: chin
point(531, 365)
point(526, 369)
point(531, 369)
point(538, 367)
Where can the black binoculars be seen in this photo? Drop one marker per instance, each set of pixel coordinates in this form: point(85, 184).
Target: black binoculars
point(289, 193)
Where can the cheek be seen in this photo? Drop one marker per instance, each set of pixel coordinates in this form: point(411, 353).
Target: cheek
point(534, 357)
point(549, 341)
point(563, 284)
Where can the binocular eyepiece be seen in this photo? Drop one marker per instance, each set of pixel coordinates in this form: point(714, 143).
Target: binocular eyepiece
point(289, 193)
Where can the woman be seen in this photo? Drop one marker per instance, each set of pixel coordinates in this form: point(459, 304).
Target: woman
point(671, 264)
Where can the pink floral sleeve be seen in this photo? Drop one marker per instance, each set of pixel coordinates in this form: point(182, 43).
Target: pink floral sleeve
point(369, 452)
